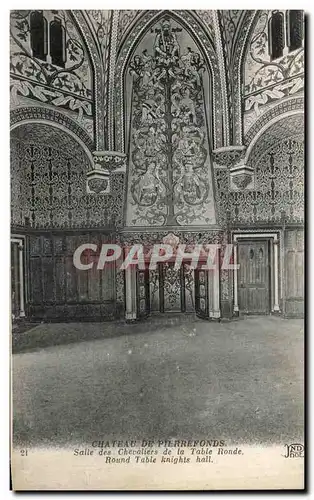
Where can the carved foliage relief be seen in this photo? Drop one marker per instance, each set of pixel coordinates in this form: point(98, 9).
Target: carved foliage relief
point(265, 80)
point(169, 173)
point(66, 84)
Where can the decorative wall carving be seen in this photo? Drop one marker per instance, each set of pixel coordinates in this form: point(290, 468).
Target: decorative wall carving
point(68, 87)
point(30, 113)
point(126, 17)
point(240, 43)
point(229, 23)
point(266, 81)
point(106, 163)
point(260, 71)
point(228, 156)
point(242, 180)
point(101, 25)
point(148, 239)
point(286, 127)
point(110, 160)
point(279, 177)
point(49, 183)
point(281, 108)
point(191, 22)
point(169, 178)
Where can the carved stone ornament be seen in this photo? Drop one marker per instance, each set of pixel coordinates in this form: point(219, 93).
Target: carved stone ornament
point(171, 239)
point(242, 177)
point(110, 160)
point(228, 155)
point(242, 180)
point(98, 182)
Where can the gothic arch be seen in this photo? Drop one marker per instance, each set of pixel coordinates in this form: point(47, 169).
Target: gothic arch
point(53, 118)
point(192, 25)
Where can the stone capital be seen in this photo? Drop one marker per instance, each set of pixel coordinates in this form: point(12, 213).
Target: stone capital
point(98, 182)
point(228, 156)
point(110, 160)
point(106, 164)
point(241, 177)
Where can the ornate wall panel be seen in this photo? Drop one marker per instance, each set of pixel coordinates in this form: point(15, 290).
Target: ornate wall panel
point(126, 18)
point(68, 87)
point(284, 107)
point(170, 289)
point(190, 22)
point(49, 179)
point(266, 81)
point(229, 23)
point(240, 43)
point(57, 289)
point(100, 21)
point(279, 186)
point(35, 113)
point(170, 180)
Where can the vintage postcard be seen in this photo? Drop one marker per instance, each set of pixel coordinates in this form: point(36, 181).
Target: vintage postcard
point(157, 249)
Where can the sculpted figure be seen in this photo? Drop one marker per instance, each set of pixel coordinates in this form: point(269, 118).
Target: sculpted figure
point(166, 45)
point(149, 185)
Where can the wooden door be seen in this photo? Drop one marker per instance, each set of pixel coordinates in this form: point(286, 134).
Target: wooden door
point(294, 272)
point(254, 277)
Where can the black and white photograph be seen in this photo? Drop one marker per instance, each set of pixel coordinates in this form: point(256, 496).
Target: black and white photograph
point(157, 249)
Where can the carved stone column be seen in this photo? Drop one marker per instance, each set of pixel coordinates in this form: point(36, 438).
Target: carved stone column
point(106, 164)
point(215, 312)
point(21, 276)
point(130, 293)
point(235, 277)
point(276, 291)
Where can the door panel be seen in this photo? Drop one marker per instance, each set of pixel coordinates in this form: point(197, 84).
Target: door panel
point(142, 285)
point(171, 290)
point(253, 277)
point(201, 293)
point(294, 272)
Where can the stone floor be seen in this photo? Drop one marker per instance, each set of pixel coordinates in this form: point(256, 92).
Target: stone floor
point(240, 381)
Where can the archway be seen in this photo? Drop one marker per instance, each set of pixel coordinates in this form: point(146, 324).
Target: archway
point(276, 203)
point(190, 22)
point(52, 215)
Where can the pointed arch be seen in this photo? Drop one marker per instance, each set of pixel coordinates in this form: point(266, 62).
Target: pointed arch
point(192, 25)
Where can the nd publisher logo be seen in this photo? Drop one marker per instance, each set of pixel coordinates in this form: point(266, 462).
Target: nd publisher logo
point(295, 450)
